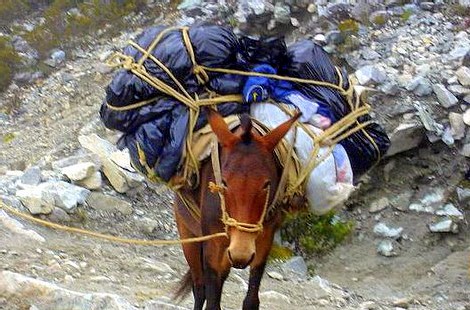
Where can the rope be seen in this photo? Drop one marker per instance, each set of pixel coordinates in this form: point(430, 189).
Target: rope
point(343, 128)
point(109, 237)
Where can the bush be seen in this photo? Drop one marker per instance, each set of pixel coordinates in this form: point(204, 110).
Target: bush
point(315, 235)
point(9, 60)
point(11, 9)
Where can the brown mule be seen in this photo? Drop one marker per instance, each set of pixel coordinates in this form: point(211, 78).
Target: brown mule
point(250, 177)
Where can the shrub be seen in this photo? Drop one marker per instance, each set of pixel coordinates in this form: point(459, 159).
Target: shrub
point(314, 235)
point(9, 59)
point(11, 9)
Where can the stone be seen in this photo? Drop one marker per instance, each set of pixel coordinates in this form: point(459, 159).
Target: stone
point(457, 125)
point(450, 210)
point(121, 179)
point(463, 195)
point(370, 74)
point(58, 56)
point(189, 4)
point(36, 201)
point(383, 230)
point(14, 286)
point(466, 117)
point(282, 13)
point(463, 74)
point(31, 176)
point(102, 202)
point(427, 6)
point(369, 54)
point(320, 39)
point(79, 171)
point(420, 86)
point(274, 296)
point(93, 182)
point(73, 160)
point(294, 22)
point(465, 151)
point(390, 88)
point(275, 275)
point(379, 205)
point(311, 8)
point(18, 229)
point(445, 225)
point(385, 248)
point(334, 37)
point(66, 196)
point(458, 90)
point(297, 266)
point(445, 97)
point(58, 215)
point(405, 137)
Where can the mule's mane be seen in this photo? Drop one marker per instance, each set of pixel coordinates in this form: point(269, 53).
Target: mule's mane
point(246, 126)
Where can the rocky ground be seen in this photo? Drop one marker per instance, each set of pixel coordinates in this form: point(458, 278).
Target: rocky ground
point(410, 247)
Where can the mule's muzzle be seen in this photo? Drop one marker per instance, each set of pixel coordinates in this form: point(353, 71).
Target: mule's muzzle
point(240, 263)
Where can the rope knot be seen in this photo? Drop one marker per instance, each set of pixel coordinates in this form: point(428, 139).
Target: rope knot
point(201, 74)
point(215, 188)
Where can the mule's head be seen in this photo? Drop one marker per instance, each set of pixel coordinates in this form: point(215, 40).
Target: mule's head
point(250, 178)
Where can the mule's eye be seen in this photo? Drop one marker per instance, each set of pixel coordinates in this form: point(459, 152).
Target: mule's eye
point(266, 185)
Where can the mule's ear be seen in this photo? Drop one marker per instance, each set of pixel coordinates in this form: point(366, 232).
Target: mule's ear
point(221, 130)
point(272, 138)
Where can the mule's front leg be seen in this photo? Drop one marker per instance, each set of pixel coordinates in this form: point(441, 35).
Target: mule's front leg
point(251, 301)
point(216, 270)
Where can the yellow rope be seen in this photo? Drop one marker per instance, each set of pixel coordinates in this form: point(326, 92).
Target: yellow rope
point(109, 237)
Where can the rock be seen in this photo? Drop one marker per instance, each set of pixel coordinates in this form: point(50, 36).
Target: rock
point(405, 137)
point(121, 179)
point(385, 248)
point(463, 195)
point(427, 6)
point(163, 304)
point(275, 275)
point(390, 88)
point(36, 201)
point(445, 97)
point(189, 4)
point(79, 171)
point(282, 13)
point(384, 231)
point(445, 225)
point(294, 22)
point(31, 176)
point(93, 182)
point(101, 202)
point(379, 205)
point(369, 54)
point(429, 202)
point(370, 74)
point(463, 74)
point(320, 39)
point(297, 266)
point(11, 201)
point(334, 37)
point(457, 125)
point(103, 68)
point(311, 8)
point(450, 210)
point(73, 160)
point(459, 53)
point(420, 86)
point(58, 56)
point(466, 117)
point(465, 151)
point(402, 302)
point(58, 215)
point(27, 291)
point(274, 296)
point(18, 229)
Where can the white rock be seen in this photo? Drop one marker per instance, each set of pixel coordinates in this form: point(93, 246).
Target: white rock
point(457, 125)
point(273, 296)
point(17, 228)
point(444, 96)
point(465, 151)
point(379, 205)
point(463, 74)
point(79, 171)
point(463, 195)
point(37, 201)
point(450, 210)
point(295, 22)
point(93, 182)
point(384, 231)
point(466, 117)
point(73, 160)
point(102, 202)
point(14, 286)
point(405, 137)
point(31, 176)
point(121, 179)
point(446, 225)
point(275, 275)
point(296, 265)
point(385, 248)
point(370, 74)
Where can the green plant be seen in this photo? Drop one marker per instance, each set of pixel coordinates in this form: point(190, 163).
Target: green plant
point(280, 253)
point(313, 234)
point(348, 26)
point(9, 60)
point(406, 15)
point(11, 9)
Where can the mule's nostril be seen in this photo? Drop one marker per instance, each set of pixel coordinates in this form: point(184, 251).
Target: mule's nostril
point(230, 257)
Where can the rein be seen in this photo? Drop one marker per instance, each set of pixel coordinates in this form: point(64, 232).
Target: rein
point(219, 188)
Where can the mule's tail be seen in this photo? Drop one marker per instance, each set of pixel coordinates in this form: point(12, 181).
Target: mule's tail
point(184, 288)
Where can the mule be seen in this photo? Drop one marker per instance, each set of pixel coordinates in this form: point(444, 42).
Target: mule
point(250, 177)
